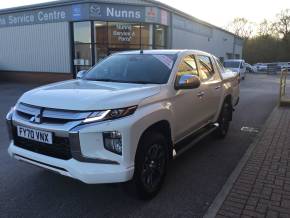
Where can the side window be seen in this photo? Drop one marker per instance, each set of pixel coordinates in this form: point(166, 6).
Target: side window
point(206, 69)
point(219, 65)
point(188, 66)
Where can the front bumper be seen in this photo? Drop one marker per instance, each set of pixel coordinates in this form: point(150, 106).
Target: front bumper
point(89, 161)
point(90, 173)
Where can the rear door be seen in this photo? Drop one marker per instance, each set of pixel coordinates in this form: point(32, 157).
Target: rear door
point(211, 85)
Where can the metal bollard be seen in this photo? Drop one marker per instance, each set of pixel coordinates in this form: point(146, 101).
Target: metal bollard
point(283, 100)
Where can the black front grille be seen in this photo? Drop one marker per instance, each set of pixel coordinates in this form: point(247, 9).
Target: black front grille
point(48, 115)
point(59, 149)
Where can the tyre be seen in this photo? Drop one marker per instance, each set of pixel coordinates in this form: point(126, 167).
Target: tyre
point(224, 120)
point(150, 165)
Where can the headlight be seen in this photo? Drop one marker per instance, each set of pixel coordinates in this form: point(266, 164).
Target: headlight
point(110, 114)
point(10, 113)
point(9, 122)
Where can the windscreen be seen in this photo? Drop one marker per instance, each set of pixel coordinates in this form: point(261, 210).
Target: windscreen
point(134, 68)
point(232, 64)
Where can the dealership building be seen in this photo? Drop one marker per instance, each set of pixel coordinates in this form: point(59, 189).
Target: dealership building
point(57, 39)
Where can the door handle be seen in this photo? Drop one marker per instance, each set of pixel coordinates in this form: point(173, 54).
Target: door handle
point(200, 94)
point(218, 87)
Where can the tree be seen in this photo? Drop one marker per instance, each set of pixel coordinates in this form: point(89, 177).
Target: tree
point(265, 29)
point(241, 27)
point(269, 42)
point(282, 25)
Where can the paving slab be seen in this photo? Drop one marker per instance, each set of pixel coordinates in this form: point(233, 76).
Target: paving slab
point(260, 185)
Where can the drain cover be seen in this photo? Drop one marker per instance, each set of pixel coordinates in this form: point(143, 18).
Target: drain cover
point(249, 129)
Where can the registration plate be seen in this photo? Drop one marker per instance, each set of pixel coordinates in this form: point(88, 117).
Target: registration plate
point(35, 135)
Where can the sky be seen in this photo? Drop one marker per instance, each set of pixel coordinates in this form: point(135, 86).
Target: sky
point(217, 12)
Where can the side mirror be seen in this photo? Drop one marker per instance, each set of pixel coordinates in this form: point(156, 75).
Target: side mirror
point(81, 74)
point(187, 81)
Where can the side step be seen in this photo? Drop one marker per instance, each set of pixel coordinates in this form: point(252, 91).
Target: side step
point(193, 139)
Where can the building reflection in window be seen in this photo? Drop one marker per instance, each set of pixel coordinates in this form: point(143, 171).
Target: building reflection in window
point(82, 45)
point(160, 36)
point(110, 37)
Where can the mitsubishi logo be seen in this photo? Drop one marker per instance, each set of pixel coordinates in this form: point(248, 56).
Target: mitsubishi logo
point(36, 119)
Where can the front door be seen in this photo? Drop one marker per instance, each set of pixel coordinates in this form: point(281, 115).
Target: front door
point(188, 105)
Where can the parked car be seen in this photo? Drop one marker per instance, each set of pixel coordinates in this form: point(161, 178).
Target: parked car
point(236, 65)
point(284, 65)
point(125, 118)
point(261, 67)
point(250, 68)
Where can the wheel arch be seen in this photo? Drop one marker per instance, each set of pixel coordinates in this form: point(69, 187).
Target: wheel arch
point(163, 127)
point(229, 99)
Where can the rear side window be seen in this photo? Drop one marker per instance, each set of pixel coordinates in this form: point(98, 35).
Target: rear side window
point(231, 64)
point(206, 68)
point(220, 66)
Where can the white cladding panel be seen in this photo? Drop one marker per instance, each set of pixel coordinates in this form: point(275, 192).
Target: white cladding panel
point(189, 34)
point(36, 48)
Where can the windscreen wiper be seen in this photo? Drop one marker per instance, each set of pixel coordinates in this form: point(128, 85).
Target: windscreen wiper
point(142, 82)
point(123, 81)
point(107, 80)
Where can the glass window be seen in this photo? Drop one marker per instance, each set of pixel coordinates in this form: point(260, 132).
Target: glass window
point(206, 69)
point(82, 47)
point(160, 36)
point(187, 66)
point(147, 36)
point(101, 32)
point(134, 68)
point(82, 32)
point(219, 65)
point(232, 64)
point(124, 35)
point(83, 55)
point(101, 40)
point(101, 52)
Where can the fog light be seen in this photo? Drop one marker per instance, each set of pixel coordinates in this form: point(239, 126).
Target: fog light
point(113, 142)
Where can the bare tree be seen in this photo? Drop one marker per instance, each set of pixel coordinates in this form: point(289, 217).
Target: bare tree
point(241, 27)
point(265, 28)
point(282, 25)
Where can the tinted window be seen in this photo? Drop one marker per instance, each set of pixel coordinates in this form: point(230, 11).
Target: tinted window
point(133, 68)
point(187, 66)
point(206, 68)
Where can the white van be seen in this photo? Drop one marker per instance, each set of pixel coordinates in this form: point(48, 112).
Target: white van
point(236, 65)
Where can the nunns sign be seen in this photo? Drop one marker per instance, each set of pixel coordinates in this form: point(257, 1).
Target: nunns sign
point(113, 12)
point(117, 12)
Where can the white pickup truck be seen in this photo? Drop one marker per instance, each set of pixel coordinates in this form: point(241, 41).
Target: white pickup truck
point(123, 119)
